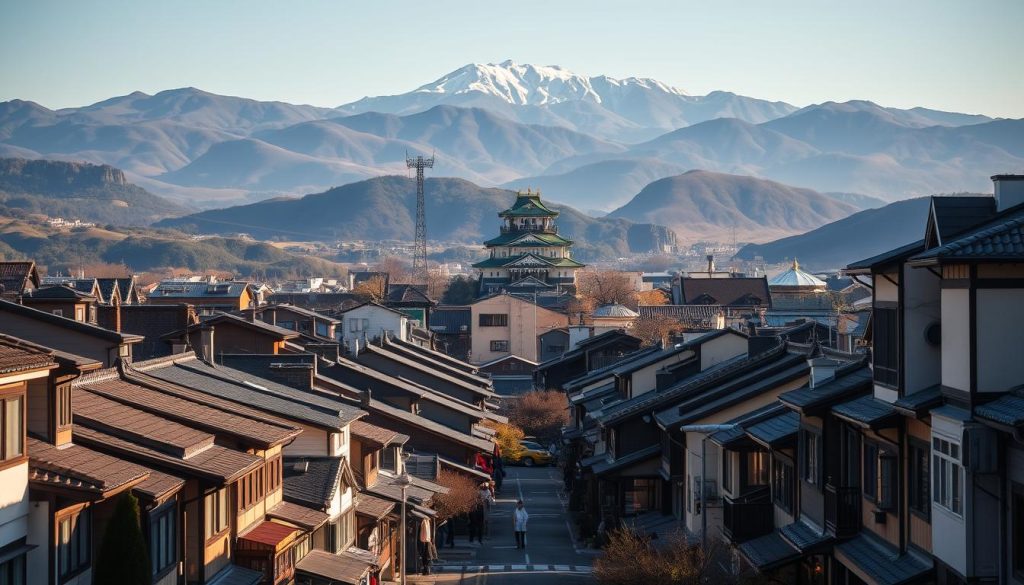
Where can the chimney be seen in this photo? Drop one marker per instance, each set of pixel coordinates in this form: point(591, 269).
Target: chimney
point(206, 342)
point(364, 398)
point(1009, 190)
point(711, 264)
point(353, 347)
point(577, 333)
point(116, 310)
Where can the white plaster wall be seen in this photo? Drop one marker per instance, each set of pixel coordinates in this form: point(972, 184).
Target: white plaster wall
point(693, 470)
point(921, 307)
point(13, 503)
point(380, 319)
point(39, 535)
point(885, 290)
point(718, 350)
point(949, 532)
point(956, 339)
point(1000, 339)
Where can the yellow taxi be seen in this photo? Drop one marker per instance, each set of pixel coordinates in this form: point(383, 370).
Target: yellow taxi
point(533, 454)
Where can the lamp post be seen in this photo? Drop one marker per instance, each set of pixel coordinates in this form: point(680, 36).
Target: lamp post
point(704, 430)
point(403, 481)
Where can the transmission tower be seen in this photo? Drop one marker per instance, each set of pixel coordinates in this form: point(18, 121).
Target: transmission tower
point(419, 255)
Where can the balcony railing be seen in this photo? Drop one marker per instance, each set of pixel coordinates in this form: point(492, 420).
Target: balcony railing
point(748, 516)
point(842, 510)
point(537, 229)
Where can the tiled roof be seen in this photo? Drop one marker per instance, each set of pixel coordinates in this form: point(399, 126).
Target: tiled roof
point(16, 356)
point(894, 255)
point(462, 370)
point(191, 290)
point(737, 434)
point(420, 492)
point(998, 240)
point(83, 285)
point(305, 518)
point(122, 394)
point(372, 506)
point(159, 484)
point(538, 239)
point(240, 388)
point(528, 204)
point(78, 467)
point(235, 575)
point(850, 380)
point(57, 292)
point(1007, 410)
point(729, 292)
point(608, 466)
point(374, 434)
point(408, 293)
point(803, 536)
point(953, 215)
point(603, 372)
point(15, 276)
point(769, 551)
point(312, 481)
point(78, 326)
point(449, 320)
point(920, 402)
point(269, 533)
point(866, 411)
point(775, 430)
point(685, 313)
point(333, 568)
point(881, 562)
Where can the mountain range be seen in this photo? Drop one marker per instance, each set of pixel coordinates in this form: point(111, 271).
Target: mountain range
point(589, 142)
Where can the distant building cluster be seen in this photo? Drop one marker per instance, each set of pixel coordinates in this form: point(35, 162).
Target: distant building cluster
point(60, 222)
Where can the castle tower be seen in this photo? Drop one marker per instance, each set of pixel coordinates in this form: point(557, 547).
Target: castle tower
point(529, 256)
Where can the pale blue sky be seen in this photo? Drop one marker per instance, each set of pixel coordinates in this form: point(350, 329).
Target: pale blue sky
point(961, 55)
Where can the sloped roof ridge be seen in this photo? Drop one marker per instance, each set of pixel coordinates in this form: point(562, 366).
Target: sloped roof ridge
point(1013, 218)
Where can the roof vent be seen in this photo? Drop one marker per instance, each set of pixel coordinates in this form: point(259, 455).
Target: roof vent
point(301, 466)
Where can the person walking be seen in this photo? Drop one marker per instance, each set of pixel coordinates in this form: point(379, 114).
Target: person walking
point(426, 544)
point(487, 498)
point(519, 518)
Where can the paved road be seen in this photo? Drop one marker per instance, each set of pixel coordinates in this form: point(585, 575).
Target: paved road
point(550, 555)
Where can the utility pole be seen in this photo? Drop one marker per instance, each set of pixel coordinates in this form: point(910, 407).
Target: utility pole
point(419, 254)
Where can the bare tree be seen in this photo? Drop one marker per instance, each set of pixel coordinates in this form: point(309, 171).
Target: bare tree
point(602, 287)
point(461, 498)
point(541, 413)
point(437, 283)
point(373, 289)
point(655, 328)
point(396, 268)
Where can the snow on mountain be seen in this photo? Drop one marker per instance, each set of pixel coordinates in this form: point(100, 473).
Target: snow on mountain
point(536, 85)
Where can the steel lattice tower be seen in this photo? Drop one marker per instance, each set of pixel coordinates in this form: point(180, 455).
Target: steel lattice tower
point(419, 257)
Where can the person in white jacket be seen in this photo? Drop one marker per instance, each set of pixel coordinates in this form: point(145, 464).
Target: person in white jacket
point(519, 518)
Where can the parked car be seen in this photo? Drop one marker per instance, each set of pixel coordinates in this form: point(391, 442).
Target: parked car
point(532, 454)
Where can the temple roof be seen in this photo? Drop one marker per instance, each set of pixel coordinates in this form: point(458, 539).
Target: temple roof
point(796, 278)
point(528, 238)
point(528, 261)
point(528, 205)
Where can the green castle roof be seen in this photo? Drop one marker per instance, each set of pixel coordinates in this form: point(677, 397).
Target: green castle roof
point(528, 205)
point(534, 259)
point(543, 238)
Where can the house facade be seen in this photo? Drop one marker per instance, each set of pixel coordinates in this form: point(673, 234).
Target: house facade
point(505, 324)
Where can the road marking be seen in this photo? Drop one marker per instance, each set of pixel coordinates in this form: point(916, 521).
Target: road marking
point(561, 567)
point(496, 567)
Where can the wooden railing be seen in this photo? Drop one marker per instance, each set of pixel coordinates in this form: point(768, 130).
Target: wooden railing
point(748, 516)
point(842, 510)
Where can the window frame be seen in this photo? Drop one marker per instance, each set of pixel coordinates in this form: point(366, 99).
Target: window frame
point(78, 544)
point(163, 538)
point(1016, 528)
point(215, 514)
point(919, 500)
point(15, 393)
point(943, 480)
point(499, 345)
point(784, 484)
point(492, 320)
point(885, 356)
point(810, 456)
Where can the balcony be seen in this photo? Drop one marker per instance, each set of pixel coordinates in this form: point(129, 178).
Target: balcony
point(535, 229)
point(748, 516)
point(842, 510)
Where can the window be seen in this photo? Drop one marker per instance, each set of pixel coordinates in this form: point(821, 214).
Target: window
point(920, 485)
point(810, 455)
point(250, 489)
point(728, 457)
point(757, 468)
point(58, 312)
point(12, 572)
point(783, 485)
point(215, 507)
point(64, 406)
point(287, 324)
point(341, 533)
point(885, 346)
point(493, 320)
point(74, 543)
point(556, 349)
point(947, 475)
point(13, 439)
point(881, 472)
point(163, 537)
point(641, 496)
point(1017, 529)
point(499, 345)
point(389, 459)
point(273, 472)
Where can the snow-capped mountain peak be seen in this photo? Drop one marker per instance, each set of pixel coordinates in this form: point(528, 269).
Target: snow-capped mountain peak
point(536, 85)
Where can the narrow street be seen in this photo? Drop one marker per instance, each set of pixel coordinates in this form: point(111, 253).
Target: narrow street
point(550, 555)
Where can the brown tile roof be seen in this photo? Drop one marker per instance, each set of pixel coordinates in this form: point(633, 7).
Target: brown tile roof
point(100, 413)
point(215, 462)
point(372, 506)
point(198, 411)
point(344, 568)
point(14, 276)
point(78, 467)
point(373, 434)
point(269, 533)
point(301, 516)
point(19, 357)
point(159, 484)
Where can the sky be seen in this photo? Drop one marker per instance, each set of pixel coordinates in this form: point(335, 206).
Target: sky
point(955, 55)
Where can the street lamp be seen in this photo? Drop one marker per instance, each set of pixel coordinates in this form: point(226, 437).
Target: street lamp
point(704, 430)
point(404, 481)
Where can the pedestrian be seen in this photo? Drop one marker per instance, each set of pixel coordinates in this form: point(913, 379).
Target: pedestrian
point(476, 523)
point(487, 498)
point(519, 518)
point(498, 475)
point(374, 575)
point(449, 533)
point(425, 545)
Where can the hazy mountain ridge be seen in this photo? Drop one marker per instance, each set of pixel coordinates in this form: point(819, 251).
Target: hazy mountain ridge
point(706, 205)
point(384, 208)
point(95, 193)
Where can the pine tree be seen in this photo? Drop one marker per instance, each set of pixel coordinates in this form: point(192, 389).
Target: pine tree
point(123, 558)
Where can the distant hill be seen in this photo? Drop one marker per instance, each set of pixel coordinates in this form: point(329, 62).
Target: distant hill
point(706, 205)
point(859, 236)
point(602, 186)
point(384, 208)
point(143, 249)
point(95, 193)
